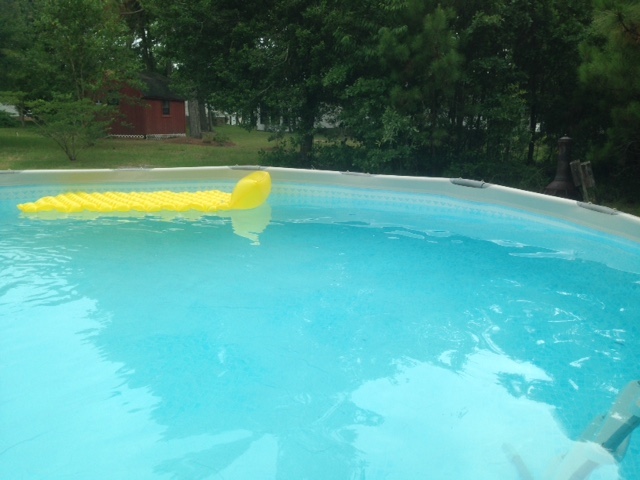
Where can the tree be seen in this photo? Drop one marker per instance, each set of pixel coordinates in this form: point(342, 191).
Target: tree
point(72, 124)
point(206, 42)
point(445, 93)
point(489, 106)
point(141, 23)
point(14, 40)
point(421, 51)
point(545, 37)
point(416, 87)
point(610, 74)
point(284, 59)
point(11, 41)
point(77, 55)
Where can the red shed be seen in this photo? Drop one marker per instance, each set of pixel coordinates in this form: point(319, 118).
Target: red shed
point(160, 113)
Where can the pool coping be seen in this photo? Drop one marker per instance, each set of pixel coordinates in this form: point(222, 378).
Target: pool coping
point(589, 215)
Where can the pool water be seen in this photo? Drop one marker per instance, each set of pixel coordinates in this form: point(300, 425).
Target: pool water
point(357, 336)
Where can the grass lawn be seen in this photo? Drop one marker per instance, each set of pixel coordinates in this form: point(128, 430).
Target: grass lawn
point(24, 149)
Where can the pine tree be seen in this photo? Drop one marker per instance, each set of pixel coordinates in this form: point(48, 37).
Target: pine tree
point(611, 73)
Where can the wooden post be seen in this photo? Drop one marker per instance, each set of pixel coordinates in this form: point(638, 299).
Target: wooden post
point(583, 177)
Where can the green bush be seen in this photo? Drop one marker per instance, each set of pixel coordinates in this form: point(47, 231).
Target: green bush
point(284, 154)
point(215, 138)
point(512, 174)
point(7, 120)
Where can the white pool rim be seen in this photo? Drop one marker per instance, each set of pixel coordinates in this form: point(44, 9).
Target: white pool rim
point(588, 215)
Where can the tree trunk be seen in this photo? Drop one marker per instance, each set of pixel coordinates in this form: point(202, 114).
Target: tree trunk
point(533, 120)
point(195, 130)
point(21, 111)
point(205, 126)
point(306, 137)
point(306, 149)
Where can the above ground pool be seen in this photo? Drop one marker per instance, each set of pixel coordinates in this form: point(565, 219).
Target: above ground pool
point(351, 327)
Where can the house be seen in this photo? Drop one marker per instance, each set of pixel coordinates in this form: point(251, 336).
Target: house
point(9, 109)
point(152, 112)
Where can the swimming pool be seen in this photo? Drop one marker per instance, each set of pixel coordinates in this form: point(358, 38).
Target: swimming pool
point(355, 327)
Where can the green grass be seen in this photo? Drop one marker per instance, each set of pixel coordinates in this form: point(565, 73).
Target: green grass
point(24, 149)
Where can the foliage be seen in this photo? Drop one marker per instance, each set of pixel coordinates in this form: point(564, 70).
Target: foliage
point(286, 61)
point(420, 87)
point(544, 38)
point(611, 75)
point(527, 177)
point(480, 88)
point(72, 124)
point(7, 120)
point(424, 63)
point(81, 47)
point(74, 55)
point(14, 41)
point(217, 138)
point(450, 89)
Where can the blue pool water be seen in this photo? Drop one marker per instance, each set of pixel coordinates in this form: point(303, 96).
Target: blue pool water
point(333, 335)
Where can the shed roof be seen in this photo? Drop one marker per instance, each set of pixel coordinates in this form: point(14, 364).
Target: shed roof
point(156, 87)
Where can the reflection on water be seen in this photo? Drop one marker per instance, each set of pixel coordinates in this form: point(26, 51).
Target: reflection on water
point(459, 424)
point(246, 223)
point(141, 349)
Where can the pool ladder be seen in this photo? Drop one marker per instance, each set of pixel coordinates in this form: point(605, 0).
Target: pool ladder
point(603, 442)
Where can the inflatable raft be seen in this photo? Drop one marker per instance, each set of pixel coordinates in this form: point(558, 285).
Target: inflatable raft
point(250, 192)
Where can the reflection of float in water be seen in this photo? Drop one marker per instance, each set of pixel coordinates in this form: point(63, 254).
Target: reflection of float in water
point(249, 223)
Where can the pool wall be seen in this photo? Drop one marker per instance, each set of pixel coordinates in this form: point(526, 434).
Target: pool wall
point(592, 216)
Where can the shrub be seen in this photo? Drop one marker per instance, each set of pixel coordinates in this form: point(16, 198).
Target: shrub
point(215, 138)
point(7, 120)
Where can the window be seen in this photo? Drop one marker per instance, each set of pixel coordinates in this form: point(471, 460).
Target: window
point(166, 107)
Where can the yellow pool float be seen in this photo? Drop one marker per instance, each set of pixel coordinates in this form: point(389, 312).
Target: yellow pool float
point(250, 192)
